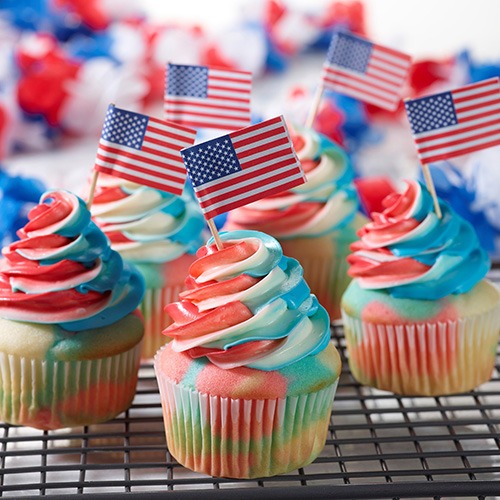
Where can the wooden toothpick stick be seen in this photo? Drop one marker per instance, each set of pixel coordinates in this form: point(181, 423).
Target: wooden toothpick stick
point(430, 186)
point(215, 234)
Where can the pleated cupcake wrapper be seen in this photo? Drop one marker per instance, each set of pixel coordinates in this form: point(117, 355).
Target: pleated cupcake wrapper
point(55, 394)
point(156, 319)
point(244, 438)
point(423, 359)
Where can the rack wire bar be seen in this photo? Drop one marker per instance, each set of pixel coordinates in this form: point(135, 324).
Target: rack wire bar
point(379, 445)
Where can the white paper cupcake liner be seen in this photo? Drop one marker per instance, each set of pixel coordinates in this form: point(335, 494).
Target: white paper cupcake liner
point(156, 319)
point(244, 438)
point(56, 394)
point(423, 358)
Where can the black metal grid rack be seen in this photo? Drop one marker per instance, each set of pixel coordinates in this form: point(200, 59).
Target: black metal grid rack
point(379, 446)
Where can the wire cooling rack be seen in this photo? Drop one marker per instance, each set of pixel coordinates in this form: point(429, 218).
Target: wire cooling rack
point(380, 445)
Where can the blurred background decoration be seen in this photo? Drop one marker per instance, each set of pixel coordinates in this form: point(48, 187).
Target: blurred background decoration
point(63, 61)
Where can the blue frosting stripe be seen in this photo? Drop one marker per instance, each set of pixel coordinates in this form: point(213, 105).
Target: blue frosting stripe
point(284, 309)
point(89, 246)
point(448, 245)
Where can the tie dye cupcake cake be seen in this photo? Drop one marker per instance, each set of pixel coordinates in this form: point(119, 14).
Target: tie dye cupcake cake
point(419, 317)
point(70, 334)
point(315, 222)
point(248, 380)
point(159, 233)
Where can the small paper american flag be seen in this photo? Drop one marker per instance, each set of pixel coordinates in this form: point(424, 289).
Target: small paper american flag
point(367, 71)
point(207, 97)
point(455, 123)
point(243, 166)
point(143, 149)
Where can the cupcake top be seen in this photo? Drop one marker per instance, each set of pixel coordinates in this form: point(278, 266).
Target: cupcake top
point(411, 253)
point(247, 305)
point(62, 270)
point(325, 203)
point(144, 224)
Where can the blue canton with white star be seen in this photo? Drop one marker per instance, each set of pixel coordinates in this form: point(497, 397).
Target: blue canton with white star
point(431, 113)
point(211, 160)
point(349, 52)
point(187, 81)
point(124, 127)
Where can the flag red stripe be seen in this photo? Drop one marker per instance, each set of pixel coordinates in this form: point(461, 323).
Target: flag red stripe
point(228, 89)
point(172, 129)
point(394, 76)
point(247, 163)
point(242, 155)
point(247, 78)
point(254, 128)
point(459, 152)
point(458, 131)
point(210, 214)
point(485, 114)
point(204, 114)
point(138, 157)
point(474, 86)
point(362, 91)
point(207, 104)
point(393, 52)
point(140, 180)
point(459, 100)
point(241, 178)
point(451, 143)
point(167, 137)
point(222, 125)
point(160, 175)
point(338, 73)
point(476, 107)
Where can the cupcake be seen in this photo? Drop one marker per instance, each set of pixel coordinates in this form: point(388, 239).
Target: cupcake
point(419, 317)
point(159, 233)
point(315, 222)
point(247, 382)
point(70, 333)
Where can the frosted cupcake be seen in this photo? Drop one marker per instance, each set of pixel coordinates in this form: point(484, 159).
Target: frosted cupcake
point(419, 317)
point(159, 233)
point(248, 380)
point(70, 334)
point(315, 222)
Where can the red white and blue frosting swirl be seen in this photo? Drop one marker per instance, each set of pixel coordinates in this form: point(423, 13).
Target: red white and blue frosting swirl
point(63, 270)
point(410, 252)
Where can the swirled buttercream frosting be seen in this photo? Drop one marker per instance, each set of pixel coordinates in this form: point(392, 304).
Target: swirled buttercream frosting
point(63, 271)
point(247, 305)
point(327, 202)
point(144, 224)
point(410, 252)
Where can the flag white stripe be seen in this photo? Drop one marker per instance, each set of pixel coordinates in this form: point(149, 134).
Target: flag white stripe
point(399, 63)
point(247, 147)
point(247, 194)
point(462, 147)
point(202, 121)
point(379, 101)
point(168, 129)
point(235, 175)
point(253, 133)
point(461, 93)
point(230, 85)
point(233, 75)
point(135, 173)
point(457, 136)
point(386, 71)
point(478, 110)
point(346, 75)
point(454, 128)
point(175, 107)
point(135, 161)
point(237, 185)
point(226, 94)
